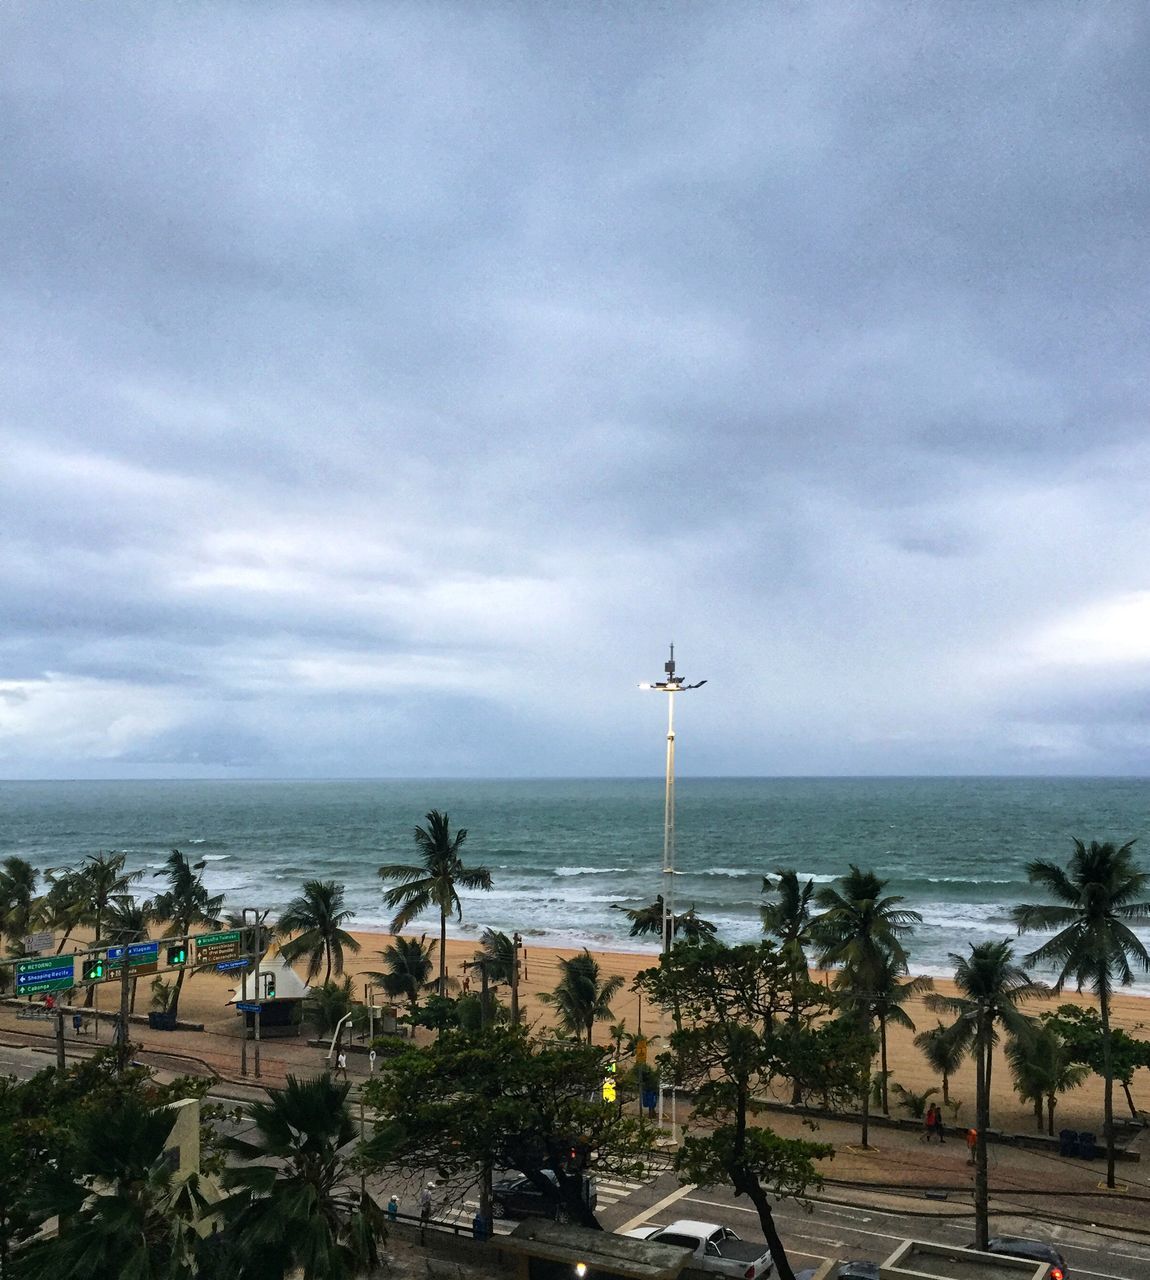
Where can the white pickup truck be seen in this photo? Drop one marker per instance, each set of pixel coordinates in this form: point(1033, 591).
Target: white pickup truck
point(713, 1248)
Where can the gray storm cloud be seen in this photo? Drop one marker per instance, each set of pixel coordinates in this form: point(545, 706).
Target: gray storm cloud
point(381, 390)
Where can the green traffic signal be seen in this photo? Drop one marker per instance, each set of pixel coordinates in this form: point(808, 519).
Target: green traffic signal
point(178, 955)
point(93, 970)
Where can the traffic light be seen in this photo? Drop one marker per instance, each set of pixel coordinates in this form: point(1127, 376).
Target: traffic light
point(93, 970)
point(178, 955)
point(269, 986)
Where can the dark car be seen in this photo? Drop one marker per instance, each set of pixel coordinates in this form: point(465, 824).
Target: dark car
point(519, 1197)
point(1033, 1250)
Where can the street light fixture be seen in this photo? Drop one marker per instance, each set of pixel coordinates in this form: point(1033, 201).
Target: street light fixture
point(672, 685)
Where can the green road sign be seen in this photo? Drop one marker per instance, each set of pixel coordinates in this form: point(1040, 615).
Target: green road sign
point(211, 948)
point(49, 973)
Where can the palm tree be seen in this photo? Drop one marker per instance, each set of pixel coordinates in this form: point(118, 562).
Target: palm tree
point(581, 997)
point(325, 1007)
point(497, 954)
point(295, 1202)
point(789, 921)
point(101, 878)
point(859, 929)
point(128, 920)
point(317, 916)
point(863, 932)
point(991, 987)
point(649, 919)
point(185, 904)
point(407, 976)
point(434, 882)
point(1097, 898)
point(17, 898)
point(944, 1052)
point(65, 905)
point(126, 1212)
point(886, 1005)
point(1042, 1069)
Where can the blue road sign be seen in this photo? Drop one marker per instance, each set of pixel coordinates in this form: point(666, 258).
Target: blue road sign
point(247, 1007)
point(50, 973)
point(225, 965)
point(148, 949)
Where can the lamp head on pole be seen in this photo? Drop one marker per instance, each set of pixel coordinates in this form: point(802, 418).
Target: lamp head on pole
point(673, 683)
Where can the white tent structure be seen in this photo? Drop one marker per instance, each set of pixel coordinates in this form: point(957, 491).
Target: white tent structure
point(276, 987)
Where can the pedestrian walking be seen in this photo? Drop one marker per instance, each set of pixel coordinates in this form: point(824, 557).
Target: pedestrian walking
point(77, 1022)
point(341, 1064)
point(928, 1123)
point(392, 1208)
point(425, 1210)
point(938, 1124)
point(971, 1143)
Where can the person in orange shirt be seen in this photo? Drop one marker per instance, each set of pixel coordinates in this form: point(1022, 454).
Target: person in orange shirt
point(971, 1143)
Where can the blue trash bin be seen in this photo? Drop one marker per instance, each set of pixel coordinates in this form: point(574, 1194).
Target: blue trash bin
point(1067, 1142)
point(1086, 1146)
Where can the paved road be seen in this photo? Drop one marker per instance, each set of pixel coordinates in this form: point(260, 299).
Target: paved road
point(844, 1231)
point(836, 1230)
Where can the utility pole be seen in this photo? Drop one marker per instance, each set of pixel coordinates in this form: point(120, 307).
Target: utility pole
point(670, 686)
point(125, 984)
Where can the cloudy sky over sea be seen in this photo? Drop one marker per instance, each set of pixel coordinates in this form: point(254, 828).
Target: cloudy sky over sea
point(383, 386)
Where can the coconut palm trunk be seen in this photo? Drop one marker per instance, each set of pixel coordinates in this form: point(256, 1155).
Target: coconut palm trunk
point(443, 953)
point(982, 1124)
point(1107, 1079)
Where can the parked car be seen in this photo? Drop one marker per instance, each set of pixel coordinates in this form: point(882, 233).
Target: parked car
point(1034, 1250)
point(714, 1248)
point(519, 1197)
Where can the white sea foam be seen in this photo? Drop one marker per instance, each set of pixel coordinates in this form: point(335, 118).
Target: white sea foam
point(590, 871)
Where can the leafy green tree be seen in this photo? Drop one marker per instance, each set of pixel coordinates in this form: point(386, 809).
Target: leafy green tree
point(1097, 900)
point(582, 997)
point(727, 1049)
point(991, 987)
point(296, 1201)
point(863, 932)
point(184, 905)
point(505, 1099)
point(434, 882)
point(407, 973)
point(788, 921)
point(944, 1051)
point(649, 920)
point(317, 917)
point(1042, 1068)
point(1081, 1032)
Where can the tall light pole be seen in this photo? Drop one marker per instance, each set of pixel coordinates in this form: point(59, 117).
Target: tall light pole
point(670, 686)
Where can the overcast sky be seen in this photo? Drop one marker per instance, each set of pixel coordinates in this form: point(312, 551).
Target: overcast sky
point(382, 387)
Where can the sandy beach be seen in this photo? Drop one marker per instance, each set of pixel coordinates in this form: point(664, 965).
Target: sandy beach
point(206, 994)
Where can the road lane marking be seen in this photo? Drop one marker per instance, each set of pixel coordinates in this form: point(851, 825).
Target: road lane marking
point(641, 1218)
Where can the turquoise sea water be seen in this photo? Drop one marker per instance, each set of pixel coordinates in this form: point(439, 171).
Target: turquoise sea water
point(562, 852)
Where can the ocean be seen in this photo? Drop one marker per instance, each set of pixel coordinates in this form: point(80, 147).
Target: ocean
point(563, 853)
